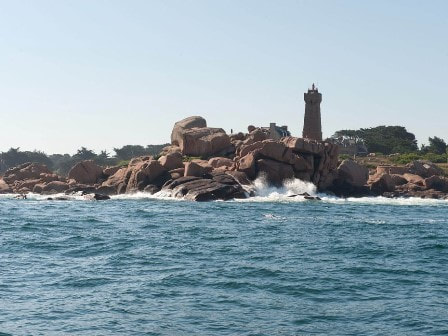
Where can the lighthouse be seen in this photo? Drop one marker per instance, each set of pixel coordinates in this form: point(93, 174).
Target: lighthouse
point(312, 127)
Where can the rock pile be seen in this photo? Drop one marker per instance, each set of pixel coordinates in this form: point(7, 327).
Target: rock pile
point(418, 179)
point(289, 158)
point(204, 163)
point(33, 177)
point(194, 138)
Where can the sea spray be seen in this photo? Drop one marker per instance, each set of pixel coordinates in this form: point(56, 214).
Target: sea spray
point(263, 191)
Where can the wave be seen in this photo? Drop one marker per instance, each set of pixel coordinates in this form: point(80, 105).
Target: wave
point(161, 195)
point(263, 192)
point(39, 197)
point(380, 200)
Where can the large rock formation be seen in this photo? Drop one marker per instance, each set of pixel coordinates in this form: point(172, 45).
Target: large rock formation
point(140, 173)
point(4, 187)
point(381, 183)
point(26, 171)
point(145, 173)
point(424, 168)
point(219, 186)
point(231, 163)
point(291, 157)
point(353, 173)
point(194, 138)
point(350, 180)
point(86, 172)
point(204, 142)
point(23, 178)
point(184, 124)
point(171, 161)
point(417, 179)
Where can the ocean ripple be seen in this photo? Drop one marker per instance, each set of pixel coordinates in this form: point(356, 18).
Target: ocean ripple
point(266, 266)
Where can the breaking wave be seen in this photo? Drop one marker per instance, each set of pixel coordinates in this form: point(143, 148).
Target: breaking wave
point(161, 195)
point(264, 192)
point(291, 191)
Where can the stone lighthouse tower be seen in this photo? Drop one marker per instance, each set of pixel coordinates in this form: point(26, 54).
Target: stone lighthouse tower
point(312, 128)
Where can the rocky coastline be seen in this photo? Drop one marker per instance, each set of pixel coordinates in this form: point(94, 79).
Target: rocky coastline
point(204, 163)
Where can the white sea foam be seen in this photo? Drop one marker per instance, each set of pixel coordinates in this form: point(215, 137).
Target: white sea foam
point(39, 197)
point(161, 195)
point(263, 192)
point(267, 193)
point(384, 200)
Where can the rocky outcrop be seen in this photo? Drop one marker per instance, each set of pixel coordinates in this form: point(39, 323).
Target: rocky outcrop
point(4, 187)
point(436, 182)
point(424, 168)
point(117, 181)
point(170, 150)
point(54, 187)
point(305, 146)
point(350, 179)
point(226, 164)
point(382, 183)
point(220, 162)
point(291, 157)
point(26, 171)
point(86, 172)
point(275, 172)
point(144, 173)
point(194, 138)
point(195, 168)
point(140, 173)
point(353, 173)
point(414, 179)
point(109, 171)
point(214, 187)
point(171, 161)
point(185, 124)
point(23, 178)
point(204, 142)
point(418, 179)
point(398, 179)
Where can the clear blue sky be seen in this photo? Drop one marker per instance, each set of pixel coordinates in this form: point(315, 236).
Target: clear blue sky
point(103, 74)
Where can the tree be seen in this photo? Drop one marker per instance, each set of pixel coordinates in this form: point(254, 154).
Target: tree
point(84, 154)
point(129, 151)
point(103, 158)
point(382, 139)
point(14, 157)
point(436, 146)
point(155, 149)
point(347, 135)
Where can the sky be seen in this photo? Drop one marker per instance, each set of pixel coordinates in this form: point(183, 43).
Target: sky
point(103, 74)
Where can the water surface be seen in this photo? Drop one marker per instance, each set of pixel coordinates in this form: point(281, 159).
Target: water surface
point(267, 266)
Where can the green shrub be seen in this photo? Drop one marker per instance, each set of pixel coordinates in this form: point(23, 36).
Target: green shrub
point(406, 158)
point(436, 158)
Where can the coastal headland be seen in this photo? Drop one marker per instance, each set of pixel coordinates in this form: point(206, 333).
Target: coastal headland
point(205, 163)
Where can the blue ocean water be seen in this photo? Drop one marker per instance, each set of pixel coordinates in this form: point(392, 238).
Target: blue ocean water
point(267, 266)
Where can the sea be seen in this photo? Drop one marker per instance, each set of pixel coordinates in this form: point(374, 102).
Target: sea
point(270, 265)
